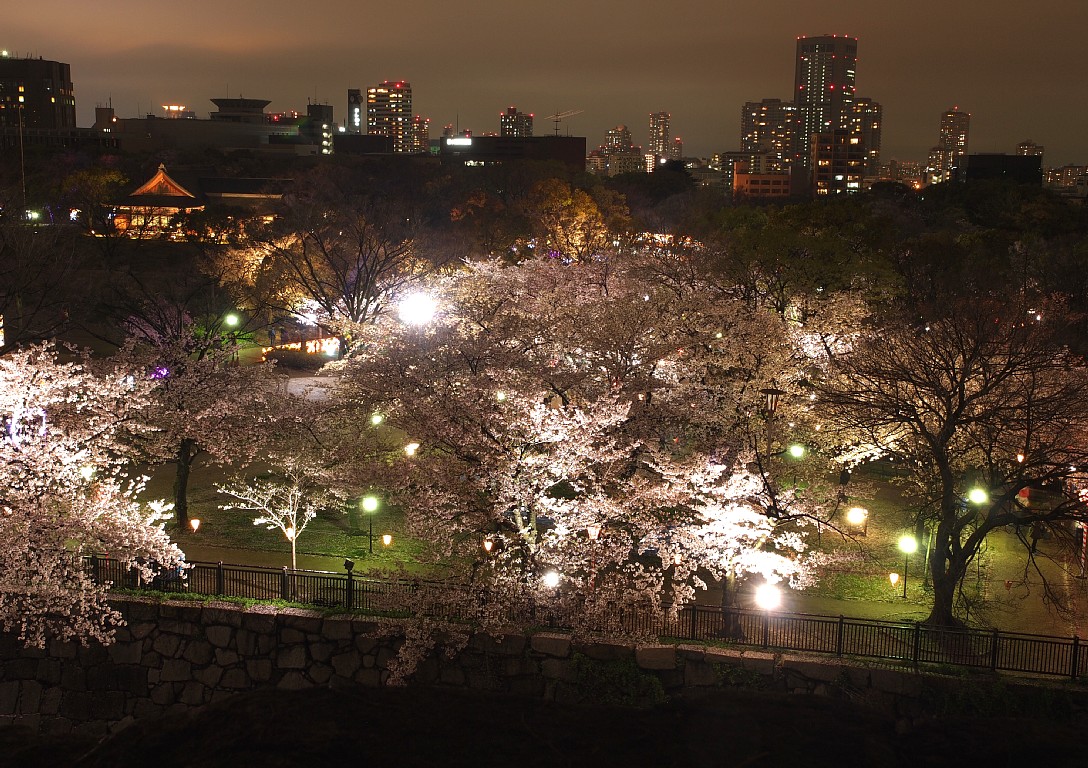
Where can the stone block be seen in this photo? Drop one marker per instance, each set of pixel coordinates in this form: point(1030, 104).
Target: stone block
point(56, 726)
point(176, 670)
point(193, 694)
point(32, 721)
point(656, 657)
point(234, 679)
point(699, 673)
point(346, 664)
point(219, 635)
point(181, 611)
point(290, 636)
point(151, 660)
point(258, 623)
point(259, 670)
point(121, 724)
point(125, 653)
point(166, 645)
point(367, 644)
point(59, 649)
point(180, 628)
point(73, 678)
point(163, 694)
point(225, 658)
point(141, 630)
point(9, 697)
point(221, 614)
point(337, 629)
point(320, 651)
point(370, 678)
point(84, 706)
point(51, 699)
point(95, 653)
point(308, 622)
point(603, 651)
point(198, 653)
point(294, 680)
point(504, 645)
point(49, 671)
point(246, 642)
point(291, 657)
point(557, 645)
point(24, 668)
point(209, 676)
point(146, 708)
point(319, 674)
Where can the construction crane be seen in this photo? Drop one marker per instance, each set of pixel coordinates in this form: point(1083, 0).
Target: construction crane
point(559, 116)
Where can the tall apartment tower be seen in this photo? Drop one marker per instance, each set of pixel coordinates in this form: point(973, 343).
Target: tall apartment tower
point(770, 127)
point(515, 124)
point(951, 143)
point(389, 113)
point(1028, 148)
point(420, 135)
point(868, 122)
point(659, 134)
point(356, 113)
point(823, 87)
point(37, 93)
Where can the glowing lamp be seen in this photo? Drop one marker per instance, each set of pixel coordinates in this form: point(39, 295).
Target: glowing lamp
point(370, 503)
point(893, 578)
point(797, 450)
point(387, 539)
point(488, 544)
point(194, 523)
point(593, 531)
point(416, 309)
point(551, 579)
point(768, 596)
point(857, 515)
point(978, 496)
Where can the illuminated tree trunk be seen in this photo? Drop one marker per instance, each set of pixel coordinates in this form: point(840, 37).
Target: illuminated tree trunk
point(187, 451)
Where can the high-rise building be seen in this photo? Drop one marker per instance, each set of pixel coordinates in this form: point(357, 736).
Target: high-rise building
point(420, 135)
point(355, 111)
point(770, 126)
point(389, 113)
point(659, 134)
point(37, 94)
point(824, 87)
point(868, 120)
point(837, 162)
point(515, 124)
point(951, 144)
point(1029, 148)
point(676, 149)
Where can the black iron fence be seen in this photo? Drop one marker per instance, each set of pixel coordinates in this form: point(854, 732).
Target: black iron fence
point(901, 642)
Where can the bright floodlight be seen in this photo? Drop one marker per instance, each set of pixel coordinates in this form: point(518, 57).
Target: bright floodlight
point(978, 496)
point(370, 503)
point(797, 450)
point(768, 596)
point(231, 320)
point(376, 418)
point(416, 309)
point(908, 544)
point(551, 579)
point(856, 515)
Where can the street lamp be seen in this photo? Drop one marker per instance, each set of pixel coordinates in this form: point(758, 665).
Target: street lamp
point(978, 495)
point(768, 596)
point(859, 518)
point(387, 539)
point(773, 395)
point(416, 309)
point(370, 506)
point(194, 523)
point(907, 545)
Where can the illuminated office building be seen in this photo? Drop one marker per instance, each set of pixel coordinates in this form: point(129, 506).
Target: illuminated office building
point(389, 113)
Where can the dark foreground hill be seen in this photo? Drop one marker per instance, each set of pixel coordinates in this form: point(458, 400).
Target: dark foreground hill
point(429, 727)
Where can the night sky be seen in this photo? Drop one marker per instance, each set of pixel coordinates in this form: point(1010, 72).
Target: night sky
point(1018, 68)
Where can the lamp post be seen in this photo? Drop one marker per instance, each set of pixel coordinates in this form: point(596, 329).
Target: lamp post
point(907, 545)
point(859, 518)
point(370, 506)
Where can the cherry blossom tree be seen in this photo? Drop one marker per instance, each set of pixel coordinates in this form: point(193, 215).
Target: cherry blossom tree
point(63, 495)
point(287, 499)
point(975, 408)
point(554, 399)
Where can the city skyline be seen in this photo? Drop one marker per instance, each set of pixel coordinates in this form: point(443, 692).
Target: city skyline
point(1017, 73)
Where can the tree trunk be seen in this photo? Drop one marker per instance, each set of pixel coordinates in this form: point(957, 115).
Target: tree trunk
point(187, 451)
point(730, 620)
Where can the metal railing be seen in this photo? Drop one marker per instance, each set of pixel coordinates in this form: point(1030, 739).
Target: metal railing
point(901, 642)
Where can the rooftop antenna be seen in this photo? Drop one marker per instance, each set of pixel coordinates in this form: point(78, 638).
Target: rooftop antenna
point(560, 116)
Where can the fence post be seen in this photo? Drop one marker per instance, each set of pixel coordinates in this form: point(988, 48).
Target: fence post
point(1075, 672)
point(285, 589)
point(694, 622)
point(349, 596)
point(220, 579)
point(917, 644)
point(766, 627)
point(838, 640)
point(995, 639)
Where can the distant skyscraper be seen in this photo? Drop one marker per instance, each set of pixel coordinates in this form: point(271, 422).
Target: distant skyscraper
point(824, 86)
point(41, 90)
point(389, 113)
point(659, 134)
point(951, 144)
point(868, 120)
point(676, 149)
point(770, 126)
point(837, 162)
point(355, 111)
point(515, 124)
point(1029, 148)
point(420, 135)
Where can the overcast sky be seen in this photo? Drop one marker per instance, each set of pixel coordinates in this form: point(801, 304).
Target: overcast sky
point(1018, 68)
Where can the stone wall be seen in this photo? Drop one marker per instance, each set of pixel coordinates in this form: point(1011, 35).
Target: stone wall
point(175, 656)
